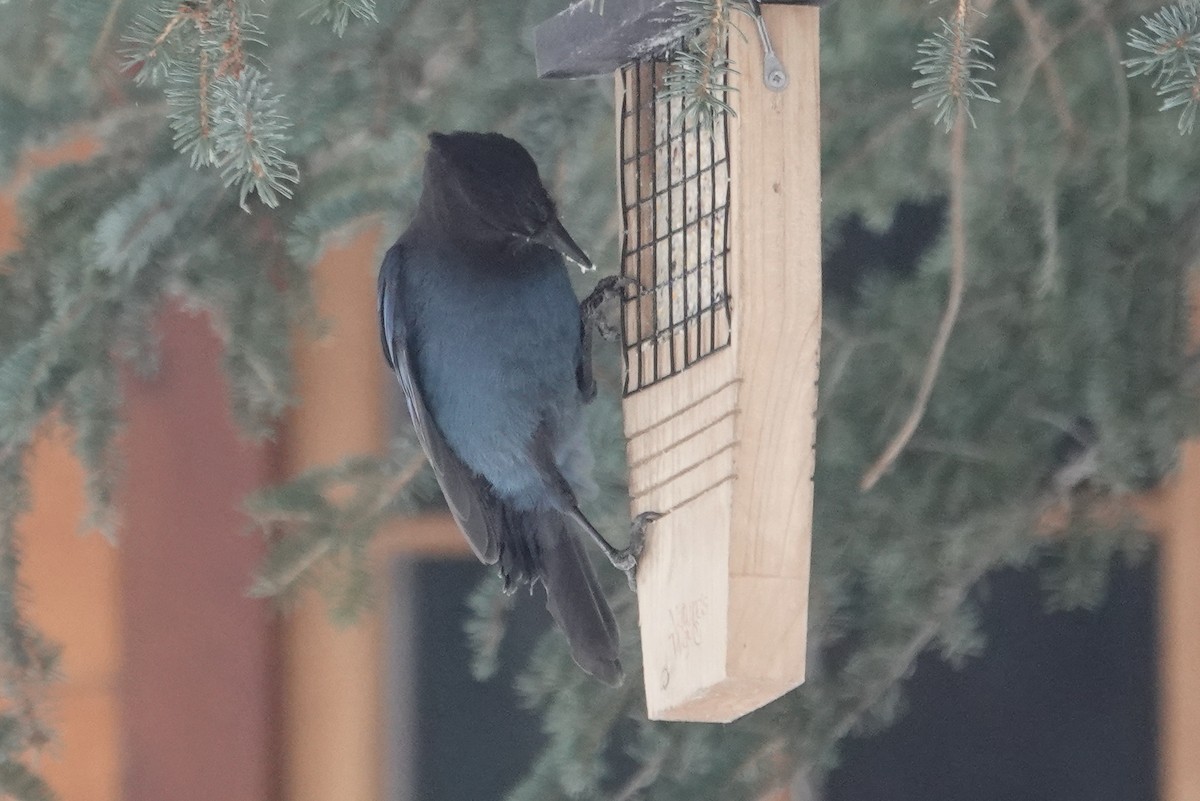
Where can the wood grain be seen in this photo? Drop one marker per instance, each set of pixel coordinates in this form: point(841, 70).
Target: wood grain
point(726, 446)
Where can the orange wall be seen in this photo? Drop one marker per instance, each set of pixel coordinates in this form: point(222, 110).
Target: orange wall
point(333, 696)
point(168, 667)
point(199, 656)
point(1179, 621)
point(1179, 638)
point(72, 594)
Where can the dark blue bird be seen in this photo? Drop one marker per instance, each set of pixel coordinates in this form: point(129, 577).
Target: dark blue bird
point(492, 350)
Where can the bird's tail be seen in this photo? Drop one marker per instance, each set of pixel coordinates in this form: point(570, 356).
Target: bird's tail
point(573, 593)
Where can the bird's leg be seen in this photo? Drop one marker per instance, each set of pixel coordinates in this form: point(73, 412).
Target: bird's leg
point(623, 559)
point(632, 552)
point(607, 288)
point(591, 317)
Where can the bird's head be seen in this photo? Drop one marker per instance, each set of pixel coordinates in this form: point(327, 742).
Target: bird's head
point(488, 187)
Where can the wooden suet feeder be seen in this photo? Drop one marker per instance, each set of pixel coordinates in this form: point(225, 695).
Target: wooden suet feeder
point(722, 226)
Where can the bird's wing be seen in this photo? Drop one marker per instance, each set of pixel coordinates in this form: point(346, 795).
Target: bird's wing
point(469, 496)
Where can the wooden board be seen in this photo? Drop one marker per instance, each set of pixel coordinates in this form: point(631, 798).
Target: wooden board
point(1179, 617)
point(1179, 630)
point(725, 447)
point(333, 689)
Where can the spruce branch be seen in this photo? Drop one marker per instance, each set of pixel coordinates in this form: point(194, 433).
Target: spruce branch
point(18, 782)
point(34, 375)
point(1095, 13)
point(158, 39)
point(92, 410)
point(189, 98)
point(233, 45)
point(644, 777)
point(486, 626)
point(699, 70)
point(1041, 42)
point(323, 522)
point(958, 270)
point(1182, 91)
point(248, 133)
point(106, 31)
point(28, 663)
point(339, 12)
point(1170, 38)
point(951, 60)
point(951, 598)
point(224, 112)
point(1171, 41)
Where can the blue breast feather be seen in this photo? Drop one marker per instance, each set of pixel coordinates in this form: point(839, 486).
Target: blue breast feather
point(496, 353)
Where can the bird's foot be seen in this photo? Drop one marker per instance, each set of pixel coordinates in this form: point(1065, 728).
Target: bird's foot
point(607, 288)
point(626, 559)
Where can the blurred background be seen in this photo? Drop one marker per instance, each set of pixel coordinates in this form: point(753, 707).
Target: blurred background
point(216, 512)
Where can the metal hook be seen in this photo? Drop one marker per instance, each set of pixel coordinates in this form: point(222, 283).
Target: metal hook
point(775, 77)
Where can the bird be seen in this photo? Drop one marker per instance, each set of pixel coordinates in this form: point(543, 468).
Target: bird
point(480, 324)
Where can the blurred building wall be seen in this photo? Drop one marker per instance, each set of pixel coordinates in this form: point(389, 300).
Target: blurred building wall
point(176, 686)
point(169, 669)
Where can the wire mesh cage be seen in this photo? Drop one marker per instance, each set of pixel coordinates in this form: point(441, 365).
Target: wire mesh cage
point(674, 176)
point(721, 228)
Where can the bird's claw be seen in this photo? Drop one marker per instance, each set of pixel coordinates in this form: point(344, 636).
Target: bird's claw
point(607, 288)
point(626, 559)
point(607, 331)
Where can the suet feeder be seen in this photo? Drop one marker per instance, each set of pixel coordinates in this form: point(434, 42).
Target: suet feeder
point(721, 226)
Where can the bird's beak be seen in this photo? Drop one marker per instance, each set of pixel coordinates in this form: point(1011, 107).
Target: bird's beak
point(555, 237)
